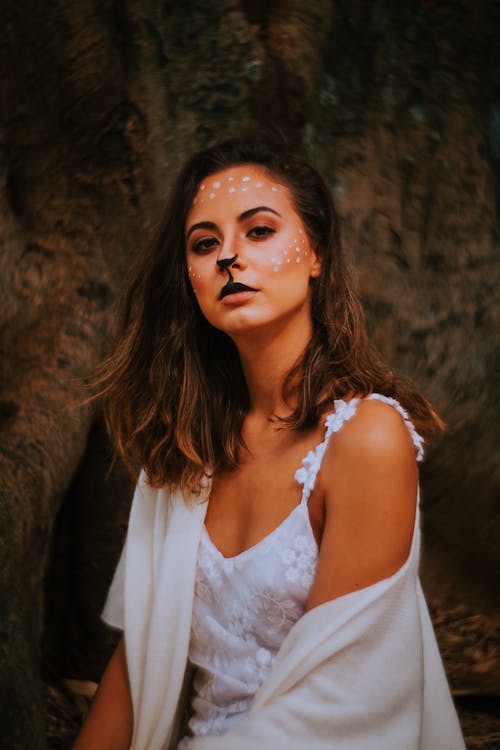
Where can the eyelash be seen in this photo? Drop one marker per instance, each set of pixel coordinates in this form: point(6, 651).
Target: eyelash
point(262, 231)
point(205, 245)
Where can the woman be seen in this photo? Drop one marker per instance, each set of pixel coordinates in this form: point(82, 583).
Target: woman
point(291, 593)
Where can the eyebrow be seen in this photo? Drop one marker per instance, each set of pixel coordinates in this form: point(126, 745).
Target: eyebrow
point(245, 215)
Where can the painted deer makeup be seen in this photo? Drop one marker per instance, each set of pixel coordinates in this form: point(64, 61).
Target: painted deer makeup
point(248, 255)
point(231, 286)
point(228, 187)
point(215, 189)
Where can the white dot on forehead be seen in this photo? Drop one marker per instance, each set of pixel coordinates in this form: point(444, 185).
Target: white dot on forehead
point(276, 268)
point(244, 189)
point(298, 260)
point(274, 189)
point(202, 187)
point(212, 195)
point(232, 189)
point(245, 179)
point(258, 184)
point(230, 178)
point(297, 249)
point(195, 200)
point(216, 184)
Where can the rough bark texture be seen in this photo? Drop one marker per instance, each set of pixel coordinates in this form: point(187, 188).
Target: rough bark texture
point(405, 126)
point(398, 104)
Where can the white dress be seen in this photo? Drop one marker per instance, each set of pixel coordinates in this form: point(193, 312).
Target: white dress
point(360, 672)
point(245, 605)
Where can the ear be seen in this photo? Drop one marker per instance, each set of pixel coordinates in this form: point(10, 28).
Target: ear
point(315, 264)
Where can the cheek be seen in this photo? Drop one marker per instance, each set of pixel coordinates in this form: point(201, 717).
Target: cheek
point(294, 251)
point(195, 277)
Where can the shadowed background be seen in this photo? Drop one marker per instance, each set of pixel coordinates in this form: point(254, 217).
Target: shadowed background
point(398, 104)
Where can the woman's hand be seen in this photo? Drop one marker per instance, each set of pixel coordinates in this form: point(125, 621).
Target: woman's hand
point(368, 479)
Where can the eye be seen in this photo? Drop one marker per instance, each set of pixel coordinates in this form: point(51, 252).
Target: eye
point(204, 245)
point(261, 232)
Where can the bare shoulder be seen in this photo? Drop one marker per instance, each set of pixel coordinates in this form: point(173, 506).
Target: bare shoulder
point(375, 436)
point(368, 480)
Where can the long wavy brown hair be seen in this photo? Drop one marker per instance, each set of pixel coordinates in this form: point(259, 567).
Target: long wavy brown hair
point(175, 397)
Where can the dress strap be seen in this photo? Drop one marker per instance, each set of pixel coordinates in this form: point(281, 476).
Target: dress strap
point(417, 439)
point(345, 410)
point(306, 475)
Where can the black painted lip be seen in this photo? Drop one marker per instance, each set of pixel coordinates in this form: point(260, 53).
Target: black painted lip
point(233, 287)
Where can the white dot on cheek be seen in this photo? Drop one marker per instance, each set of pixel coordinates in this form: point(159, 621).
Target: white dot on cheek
point(245, 179)
point(276, 268)
point(297, 249)
point(216, 185)
point(298, 260)
point(244, 189)
point(202, 187)
point(274, 189)
point(232, 189)
point(211, 196)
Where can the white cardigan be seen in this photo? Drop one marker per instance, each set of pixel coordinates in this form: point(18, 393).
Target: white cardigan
point(361, 672)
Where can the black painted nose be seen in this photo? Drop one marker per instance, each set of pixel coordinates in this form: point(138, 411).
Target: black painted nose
point(226, 263)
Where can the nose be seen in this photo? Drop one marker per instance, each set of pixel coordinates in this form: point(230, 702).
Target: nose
point(226, 263)
point(229, 255)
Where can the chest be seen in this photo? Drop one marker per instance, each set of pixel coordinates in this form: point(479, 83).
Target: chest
point(248, 503)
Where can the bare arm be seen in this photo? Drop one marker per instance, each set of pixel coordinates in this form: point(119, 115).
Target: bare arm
point(369, 482)
point(108, 725)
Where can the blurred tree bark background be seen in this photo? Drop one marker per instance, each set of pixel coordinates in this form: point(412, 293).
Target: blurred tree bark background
point(398, 104)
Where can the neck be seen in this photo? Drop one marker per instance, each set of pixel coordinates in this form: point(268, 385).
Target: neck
point(266, 361)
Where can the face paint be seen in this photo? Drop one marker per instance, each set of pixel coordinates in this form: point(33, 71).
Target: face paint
point(231, 286)
point(217, 188)
point(247, 220)
point(226, 263)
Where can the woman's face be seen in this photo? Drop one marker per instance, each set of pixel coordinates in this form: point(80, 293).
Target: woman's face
point(243, 214)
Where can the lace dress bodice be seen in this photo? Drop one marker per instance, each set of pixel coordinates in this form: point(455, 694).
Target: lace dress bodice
point(244, 606)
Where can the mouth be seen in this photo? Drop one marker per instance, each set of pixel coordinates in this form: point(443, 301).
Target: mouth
point(233, 287)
